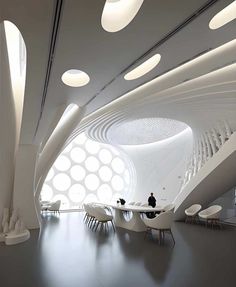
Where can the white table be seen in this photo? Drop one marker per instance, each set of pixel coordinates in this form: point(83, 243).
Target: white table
point(135, 223)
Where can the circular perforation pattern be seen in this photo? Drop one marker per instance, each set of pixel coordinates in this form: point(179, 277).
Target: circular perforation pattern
point(145, 130)
point(88, 171)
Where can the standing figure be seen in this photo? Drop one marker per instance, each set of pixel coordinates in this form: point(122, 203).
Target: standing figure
point(152, 200)
point(152, 203)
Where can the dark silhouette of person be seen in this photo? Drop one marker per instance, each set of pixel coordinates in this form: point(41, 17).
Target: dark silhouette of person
point(152, 200)
point(152, 203)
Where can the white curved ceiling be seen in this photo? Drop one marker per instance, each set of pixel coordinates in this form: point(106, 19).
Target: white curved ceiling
point(81, 43)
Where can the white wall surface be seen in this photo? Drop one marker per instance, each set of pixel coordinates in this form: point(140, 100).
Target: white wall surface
point(160, 167)
point(215, 178)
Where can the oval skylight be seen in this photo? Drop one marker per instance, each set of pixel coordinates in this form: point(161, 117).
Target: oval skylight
point(224, 16)
point(75, 78)
point(144, 68)
point(117, 14)
point(143, 131)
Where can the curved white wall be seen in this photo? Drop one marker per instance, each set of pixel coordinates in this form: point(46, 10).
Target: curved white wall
point(160, 167)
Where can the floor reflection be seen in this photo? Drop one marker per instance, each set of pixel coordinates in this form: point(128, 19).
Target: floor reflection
point(69, 246)
point(69, 253)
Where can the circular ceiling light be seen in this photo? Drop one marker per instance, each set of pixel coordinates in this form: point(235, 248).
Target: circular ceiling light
point(117, 14)
point(144, 68)
point(75, 78)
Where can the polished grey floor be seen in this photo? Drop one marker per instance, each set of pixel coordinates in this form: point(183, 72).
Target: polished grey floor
point(68, 253)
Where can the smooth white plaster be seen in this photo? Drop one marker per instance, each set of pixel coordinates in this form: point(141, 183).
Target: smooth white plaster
point(159, 165)
point(7, 127)
point(215, 178)
point(24, 185)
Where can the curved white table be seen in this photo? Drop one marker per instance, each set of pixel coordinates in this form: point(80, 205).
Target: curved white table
point(135, 223)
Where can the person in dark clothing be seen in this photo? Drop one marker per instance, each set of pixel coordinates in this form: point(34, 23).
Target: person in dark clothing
point(151, 202)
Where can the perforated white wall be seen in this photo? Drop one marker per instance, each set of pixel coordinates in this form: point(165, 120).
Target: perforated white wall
point(88, 171)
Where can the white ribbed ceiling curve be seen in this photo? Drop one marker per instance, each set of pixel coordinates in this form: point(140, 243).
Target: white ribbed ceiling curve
point(208, 97)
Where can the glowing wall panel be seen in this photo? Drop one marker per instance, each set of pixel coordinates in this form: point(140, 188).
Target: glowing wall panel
point(89, 171)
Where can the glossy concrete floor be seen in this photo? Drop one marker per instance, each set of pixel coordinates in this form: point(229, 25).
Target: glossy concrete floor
point(68, 253)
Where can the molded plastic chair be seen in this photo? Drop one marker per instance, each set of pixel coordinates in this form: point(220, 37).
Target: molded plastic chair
point(169, 207)
point(211, 214)
point(162, 222)
point(191, 212)
point(86, 209)
point(90, 210)
point(138, 203)
point(102, 217)
point(55, 207)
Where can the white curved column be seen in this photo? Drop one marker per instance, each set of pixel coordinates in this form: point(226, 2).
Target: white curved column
point(7, 127)
point(53, 147)
point(24, 185)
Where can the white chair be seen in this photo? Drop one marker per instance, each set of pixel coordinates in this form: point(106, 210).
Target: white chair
point(90, 210)
point(191, 213)
point(162, 223)
point(45, 205)
point(55, 207)
point(102, 218)
point(132, 203)
point(86, 216)
point(211, 215)
point(138, 203)
point(169, 207)
point(145, 205)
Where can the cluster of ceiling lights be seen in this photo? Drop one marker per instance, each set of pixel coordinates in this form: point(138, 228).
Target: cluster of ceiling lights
point(116, 15)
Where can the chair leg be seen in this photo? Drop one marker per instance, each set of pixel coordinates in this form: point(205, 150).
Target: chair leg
point(172, 236)
point(160, 237)
point(97, 226)
point(94, 223)
point(113, 226)
point(90, 221)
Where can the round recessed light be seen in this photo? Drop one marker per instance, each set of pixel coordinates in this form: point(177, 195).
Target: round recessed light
point(75, 78)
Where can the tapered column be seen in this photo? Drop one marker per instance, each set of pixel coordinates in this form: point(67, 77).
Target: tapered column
point(7, 127)
point(24, 185)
